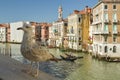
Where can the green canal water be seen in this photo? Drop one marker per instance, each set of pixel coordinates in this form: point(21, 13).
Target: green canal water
point(82, 69)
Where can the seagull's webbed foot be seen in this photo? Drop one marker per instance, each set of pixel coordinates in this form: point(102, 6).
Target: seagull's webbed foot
point(36, 73)
point(29, 70)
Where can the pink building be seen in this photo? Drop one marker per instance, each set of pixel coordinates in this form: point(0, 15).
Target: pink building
point(45, 31)
point(41, 30)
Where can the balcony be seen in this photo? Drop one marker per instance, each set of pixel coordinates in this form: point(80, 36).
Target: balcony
point(115, 21)
point(97, 22)
point(105, 32)
point(100, 32)
point(96, 32)
point(115, 32)
point(70, 34)
point(106, 21)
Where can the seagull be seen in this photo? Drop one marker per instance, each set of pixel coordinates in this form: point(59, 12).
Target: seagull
point(31, 50)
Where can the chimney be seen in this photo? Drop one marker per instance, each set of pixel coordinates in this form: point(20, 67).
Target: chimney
point(76, 11)
point(86, 9)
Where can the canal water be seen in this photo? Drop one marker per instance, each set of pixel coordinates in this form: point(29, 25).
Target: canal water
point(82, 69)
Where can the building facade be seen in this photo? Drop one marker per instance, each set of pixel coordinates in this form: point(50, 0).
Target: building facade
point(16, 35)
point(78, 29)
point(45, 31)
point(4, 32)
point(74, 30)
point(106, 27)
point(58, 30)
point(85, 26)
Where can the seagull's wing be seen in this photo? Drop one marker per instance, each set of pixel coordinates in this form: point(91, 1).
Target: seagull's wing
point(40, 52)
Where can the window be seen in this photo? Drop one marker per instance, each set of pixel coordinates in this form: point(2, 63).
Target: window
point(114, 16)
point(79, 31)
point(114, 28)
point(79, 38)
point(79, 19)
point(114, 6)
point(47, 28)
point(65, 24)
point(114, 38)
point(105, 38)
point(97, 28)
point(114, 49)
point(100, 48)
point(106, 49)
point(106, 28)
point(106, 16)
point(105, 7)
point(97, 17)
point(72, 31)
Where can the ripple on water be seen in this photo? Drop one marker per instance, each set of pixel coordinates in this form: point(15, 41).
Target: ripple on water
point(61, 69)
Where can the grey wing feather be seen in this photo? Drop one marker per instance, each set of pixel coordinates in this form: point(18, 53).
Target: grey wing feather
point(40, 51)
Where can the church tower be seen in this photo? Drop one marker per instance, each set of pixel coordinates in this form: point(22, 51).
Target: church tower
point(60, 11)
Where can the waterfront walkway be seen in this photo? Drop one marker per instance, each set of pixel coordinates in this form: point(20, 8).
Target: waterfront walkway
point(10, 69)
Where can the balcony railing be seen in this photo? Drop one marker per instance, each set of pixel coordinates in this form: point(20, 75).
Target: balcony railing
point(100, 32)
point(96, 32)
point(105, 32)
point(70, 34)
point(115, 21)
point(97, 22)
point(115, 32)
point(106, 21)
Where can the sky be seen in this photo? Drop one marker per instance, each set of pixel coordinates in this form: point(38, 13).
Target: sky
point(39, 10)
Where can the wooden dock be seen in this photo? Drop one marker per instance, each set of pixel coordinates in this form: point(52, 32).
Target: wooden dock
point(10, 69)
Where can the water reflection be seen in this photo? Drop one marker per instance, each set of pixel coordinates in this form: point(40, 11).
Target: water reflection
point(83, 69)
point(96, 70)
point(5, 49)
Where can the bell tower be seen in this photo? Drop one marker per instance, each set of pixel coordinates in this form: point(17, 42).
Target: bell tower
point(60, 12)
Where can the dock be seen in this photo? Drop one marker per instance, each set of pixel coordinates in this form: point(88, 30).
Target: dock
point(110, 57)
point(10, 69)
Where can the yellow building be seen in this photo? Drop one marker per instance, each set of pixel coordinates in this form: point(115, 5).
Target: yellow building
point(78, 29)
point(85, 25)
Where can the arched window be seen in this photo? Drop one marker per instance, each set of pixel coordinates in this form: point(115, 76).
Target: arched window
point(106, 49)
point(114, 49)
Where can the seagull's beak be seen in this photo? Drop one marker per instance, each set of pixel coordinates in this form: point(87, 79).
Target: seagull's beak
point(20, 28)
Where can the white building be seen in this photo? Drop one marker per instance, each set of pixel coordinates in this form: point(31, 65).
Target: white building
point(16, 35)
point(106, 27)
point(74, 30)
point(58, 30)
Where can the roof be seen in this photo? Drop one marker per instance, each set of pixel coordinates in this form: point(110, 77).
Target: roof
point(4, 25)
point(106, 1)
point(86, 10)
point(63, 20)
point(36, 24)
